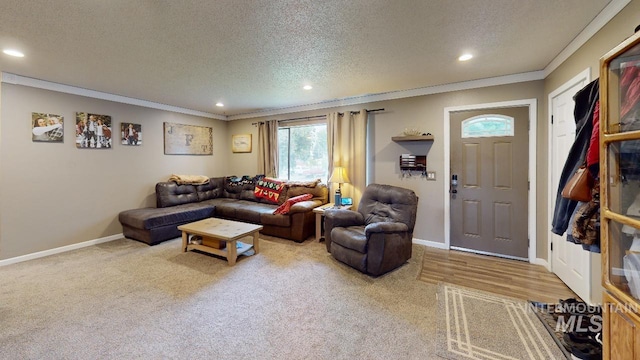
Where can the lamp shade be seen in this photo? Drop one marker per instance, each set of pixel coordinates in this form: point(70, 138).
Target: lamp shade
point(339, 175)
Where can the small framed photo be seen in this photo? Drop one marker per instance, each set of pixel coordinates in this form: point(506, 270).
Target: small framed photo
point(47, 127)
point(131, 134)
point(93, 131)
point(241, 143)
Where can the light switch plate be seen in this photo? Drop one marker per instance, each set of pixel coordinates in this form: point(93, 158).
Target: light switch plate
point(431, 175)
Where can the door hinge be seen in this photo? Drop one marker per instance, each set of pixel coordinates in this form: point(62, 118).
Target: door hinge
point(551, 119)
point(551, 246)
point(528, 185)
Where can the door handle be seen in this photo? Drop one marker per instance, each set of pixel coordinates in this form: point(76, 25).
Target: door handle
point(454, 183)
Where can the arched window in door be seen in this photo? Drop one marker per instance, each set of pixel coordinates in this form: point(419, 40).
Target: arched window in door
point(487, 126)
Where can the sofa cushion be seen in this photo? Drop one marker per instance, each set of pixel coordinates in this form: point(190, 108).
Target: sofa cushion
point(171, 194)
point(352, 237)
point(214, 189)
point(268, 218)
point(149, 218)
point(243, 210)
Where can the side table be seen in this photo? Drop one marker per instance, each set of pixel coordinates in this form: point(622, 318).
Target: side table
point(320, 217)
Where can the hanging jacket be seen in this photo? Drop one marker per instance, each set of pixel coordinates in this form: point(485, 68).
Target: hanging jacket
point(585, 100)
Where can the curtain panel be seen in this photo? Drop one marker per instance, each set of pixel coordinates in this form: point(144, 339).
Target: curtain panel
point(347, 141)
point(268, 148)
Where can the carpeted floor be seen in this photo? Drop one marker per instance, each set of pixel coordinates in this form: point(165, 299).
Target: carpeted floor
point(481, 325)
point(124, 300)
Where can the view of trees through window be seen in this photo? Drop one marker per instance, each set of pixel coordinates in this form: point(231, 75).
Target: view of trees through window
point(303, 152)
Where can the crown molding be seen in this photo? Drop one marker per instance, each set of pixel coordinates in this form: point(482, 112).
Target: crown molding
point(392, 95)
point(611, 10)
point(10, 78)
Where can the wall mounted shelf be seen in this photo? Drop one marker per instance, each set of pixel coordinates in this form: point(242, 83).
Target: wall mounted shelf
point(413, 138)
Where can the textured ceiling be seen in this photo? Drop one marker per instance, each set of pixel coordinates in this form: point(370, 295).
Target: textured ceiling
point(257, 55)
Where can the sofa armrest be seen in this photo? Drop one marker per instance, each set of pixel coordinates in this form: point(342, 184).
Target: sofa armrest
point(386, 227)
point(304, 206)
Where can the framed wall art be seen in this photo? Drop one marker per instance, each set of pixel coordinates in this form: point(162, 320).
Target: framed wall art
point(47, 127)
point(93, 131)
point(131, 134)
point(181, 139)
point(241, 143)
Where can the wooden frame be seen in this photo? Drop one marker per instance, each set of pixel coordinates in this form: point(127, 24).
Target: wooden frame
point(180, 139)
point(241, 143)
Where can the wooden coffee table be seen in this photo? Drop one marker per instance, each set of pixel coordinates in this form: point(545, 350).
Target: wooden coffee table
point(222, 230)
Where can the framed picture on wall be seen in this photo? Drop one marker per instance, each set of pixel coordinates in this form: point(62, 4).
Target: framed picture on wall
point(131, 134)
point(241, 143)
point(93, 131)
point(182, 139)
point(47, 127)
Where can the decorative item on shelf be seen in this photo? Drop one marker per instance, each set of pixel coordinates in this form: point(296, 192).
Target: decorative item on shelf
point(339, 176)
point(412, 131)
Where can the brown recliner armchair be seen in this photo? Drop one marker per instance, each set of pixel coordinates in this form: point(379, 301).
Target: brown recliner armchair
point(377, 238)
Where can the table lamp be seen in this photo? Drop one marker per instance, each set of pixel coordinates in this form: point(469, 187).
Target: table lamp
point(339, 176)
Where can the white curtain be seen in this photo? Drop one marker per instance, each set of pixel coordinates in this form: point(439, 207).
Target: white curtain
point(347, 142)
point(268, 148)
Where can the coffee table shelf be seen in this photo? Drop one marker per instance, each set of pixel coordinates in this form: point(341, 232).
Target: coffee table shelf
point(223, 230)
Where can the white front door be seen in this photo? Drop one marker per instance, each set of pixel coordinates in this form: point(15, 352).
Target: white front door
point(569, 261)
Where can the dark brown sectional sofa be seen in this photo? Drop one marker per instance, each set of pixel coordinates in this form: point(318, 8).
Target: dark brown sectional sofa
point(223, 197)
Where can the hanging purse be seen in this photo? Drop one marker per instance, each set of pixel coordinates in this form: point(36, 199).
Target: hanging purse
point(579, 186)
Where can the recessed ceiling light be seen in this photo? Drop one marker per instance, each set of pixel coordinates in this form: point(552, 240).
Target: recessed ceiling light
point(12, 52)
point(219, 104)
point(465, 57)
point(307, 87)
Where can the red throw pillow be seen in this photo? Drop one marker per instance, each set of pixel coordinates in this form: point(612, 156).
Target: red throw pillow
point(286, 206)
point(269, 189)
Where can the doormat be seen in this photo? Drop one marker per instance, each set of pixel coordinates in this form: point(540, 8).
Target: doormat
point(473, 324)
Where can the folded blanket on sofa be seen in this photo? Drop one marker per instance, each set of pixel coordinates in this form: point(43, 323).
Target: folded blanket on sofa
point(189, 179)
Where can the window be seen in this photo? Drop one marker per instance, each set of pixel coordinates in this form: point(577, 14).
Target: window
point(303, 152)
point(487, 126)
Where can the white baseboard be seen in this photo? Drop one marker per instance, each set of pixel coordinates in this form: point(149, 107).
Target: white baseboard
point(543, 262)
point(430, 243)
point(59, 250)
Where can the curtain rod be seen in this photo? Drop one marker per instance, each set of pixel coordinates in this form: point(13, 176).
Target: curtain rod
point(318, 116)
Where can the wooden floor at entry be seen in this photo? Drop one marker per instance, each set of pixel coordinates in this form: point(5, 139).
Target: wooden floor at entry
point(506, 277)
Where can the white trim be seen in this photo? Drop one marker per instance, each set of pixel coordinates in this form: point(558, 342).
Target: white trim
point(543, 262)
point(400, 94)
point(429, 243)
point(584, 75)
point(611, 10)
point(68, 89)
point(532, 104)
point(59, 250)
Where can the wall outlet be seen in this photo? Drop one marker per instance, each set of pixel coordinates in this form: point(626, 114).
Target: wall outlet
point(431, 175)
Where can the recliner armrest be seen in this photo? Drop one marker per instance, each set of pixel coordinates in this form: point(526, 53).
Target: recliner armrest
point(343, 218)
point(385, 227)
point(339, 218)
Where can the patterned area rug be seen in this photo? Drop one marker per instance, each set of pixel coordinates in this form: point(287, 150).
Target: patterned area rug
point(477, 325)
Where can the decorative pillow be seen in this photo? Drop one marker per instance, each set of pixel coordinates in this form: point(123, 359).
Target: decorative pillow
point(269, 189)
point(286, 206)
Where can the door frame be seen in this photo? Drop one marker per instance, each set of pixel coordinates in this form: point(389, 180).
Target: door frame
point(551, 193)
point(532, 203)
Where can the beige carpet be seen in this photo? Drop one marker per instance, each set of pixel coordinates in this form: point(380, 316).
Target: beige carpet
point(126, 300)
point(479, 325)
